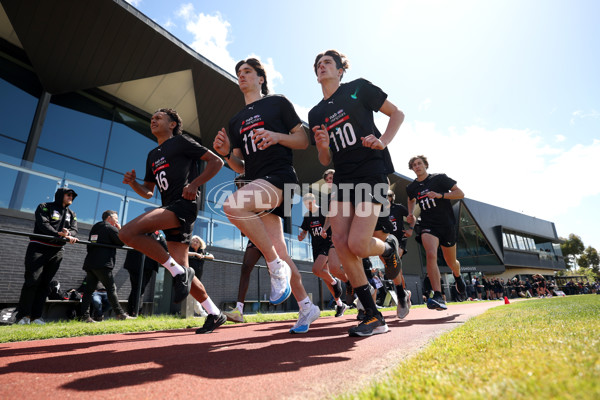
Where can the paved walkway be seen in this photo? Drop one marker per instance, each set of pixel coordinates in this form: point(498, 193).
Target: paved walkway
point(244, 361)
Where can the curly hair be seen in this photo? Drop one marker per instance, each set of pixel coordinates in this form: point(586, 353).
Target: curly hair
point(340, 60)
point(260, 71)
point(413, 159)
point(174, 117)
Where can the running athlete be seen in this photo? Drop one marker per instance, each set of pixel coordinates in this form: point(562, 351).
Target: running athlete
point(251, 257)
point(260, 142)
point(393, 224)
point(172, 166)
point(437, 225)
point(344, 132)
point(313, 223)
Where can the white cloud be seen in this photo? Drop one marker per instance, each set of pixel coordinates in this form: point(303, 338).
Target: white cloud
point(580, 114)
point(211, 38)
point(560, 138)
point(134, 3)
point(169, 24)
point(425, 104)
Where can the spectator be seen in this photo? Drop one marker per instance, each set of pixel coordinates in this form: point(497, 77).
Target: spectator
point(197, 255)
point(100, 303)
point(100, 262)
point(43, 256)
point(133, 262)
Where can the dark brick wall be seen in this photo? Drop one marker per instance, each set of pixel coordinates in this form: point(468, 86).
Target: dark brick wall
point(221, 279)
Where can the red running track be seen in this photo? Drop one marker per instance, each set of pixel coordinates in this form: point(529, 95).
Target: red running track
point(244, 361)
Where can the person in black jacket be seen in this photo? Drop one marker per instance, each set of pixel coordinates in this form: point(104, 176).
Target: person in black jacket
point(133, 261)
point(100, 262)
point(43, 256)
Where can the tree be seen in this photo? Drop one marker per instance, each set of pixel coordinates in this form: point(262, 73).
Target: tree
point(590, 260)
point(572, 248)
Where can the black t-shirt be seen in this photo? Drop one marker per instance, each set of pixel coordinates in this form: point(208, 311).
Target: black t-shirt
point(102, 257)
point(434, 212)
point(173, 165)
point(348, 115)
point(274, 113)
point(396, 219)
point(313, 223)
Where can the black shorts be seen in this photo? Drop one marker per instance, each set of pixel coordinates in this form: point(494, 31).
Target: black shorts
point(322, 249)
point(446, 234)
point(186, 212)
point(280, 181)
point(367, 189)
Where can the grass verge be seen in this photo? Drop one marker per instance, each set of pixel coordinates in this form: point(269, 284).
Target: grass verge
point(538, 349)
point(61, 329)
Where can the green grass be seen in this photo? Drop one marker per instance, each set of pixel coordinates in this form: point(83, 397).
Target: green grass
point(61, 329)
point(537, 349)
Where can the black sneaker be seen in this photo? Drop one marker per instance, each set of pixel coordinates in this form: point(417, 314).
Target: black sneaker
point(436, 302)
point(393, 265)
point(212, 322)
point(371, 325)
point(361, 315)
point(337, 289)
point(340, 310)
point(460, 284)
point(182, 284)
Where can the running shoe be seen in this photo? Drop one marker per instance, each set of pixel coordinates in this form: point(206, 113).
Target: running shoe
point(24, 321)
point(392, 262)
point(124, 316)
point(337, 289)
point(340, 310)
point(182, 284)
point(404, 304)
point(234, 315)
point(361, 314)
point(280, 283)
point(460, 284)
point(38, 321)
point(436, 302)
point(371, 325)
point(305, 319)
point(88, 320)
point(211, 323)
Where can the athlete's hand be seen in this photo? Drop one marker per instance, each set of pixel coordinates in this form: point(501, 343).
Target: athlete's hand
point(190, 192)
point(301, 236)
point(408, 232)
point(263, 138)
point(129, 177)
point(221, 143)
point(321, 137)
point(372, 142)
point(411, 219)
point(433, 195)
point(324, 234)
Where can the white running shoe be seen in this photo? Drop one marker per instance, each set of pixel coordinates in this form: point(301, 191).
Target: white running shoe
point(280, 283)
point(305, 319)
point(24, 321)
point(234, 315)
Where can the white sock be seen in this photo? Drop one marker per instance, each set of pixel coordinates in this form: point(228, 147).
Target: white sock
point(173, 267)
point(304, 304)
point(240, 307)
point(334, 282)
point(210, 307)
point(338, 302)
point(274, 264)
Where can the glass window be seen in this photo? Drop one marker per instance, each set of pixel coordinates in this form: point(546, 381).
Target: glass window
point(19, 93)
point(129, 147)
point(226, 235)
point(50, 162)
point(38, 190)
point(78, 126)
point(11, 147)
point(223, 180)
point(8, 177)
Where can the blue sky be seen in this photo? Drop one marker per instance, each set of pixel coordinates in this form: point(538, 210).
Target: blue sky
point(502, 95)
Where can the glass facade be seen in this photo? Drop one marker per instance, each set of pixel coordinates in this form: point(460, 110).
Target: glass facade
point(525, 242)
point(472, 248)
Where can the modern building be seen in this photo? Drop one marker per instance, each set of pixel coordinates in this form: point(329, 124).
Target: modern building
point(78, 83)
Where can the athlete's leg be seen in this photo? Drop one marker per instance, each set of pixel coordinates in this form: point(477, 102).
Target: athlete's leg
point(335, 266)
point(274, 229)
point(242, 208)
point(450, 258)
point(251, 257)
point(399, 280)
point(431, 244)
point(320, 269)
point(134, 232)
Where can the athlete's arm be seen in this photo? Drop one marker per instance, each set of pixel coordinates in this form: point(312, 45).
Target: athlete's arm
point(410, 218)
point(302, 235)
point(213, 165)
point(454, 194)
point(322, 143)
point(222, 146)
point(146, 190)
point(396, 119)
point(296, 139)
